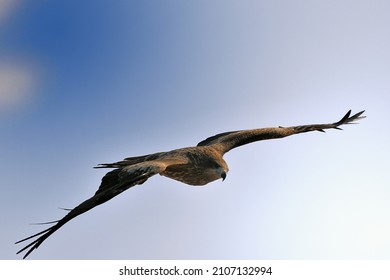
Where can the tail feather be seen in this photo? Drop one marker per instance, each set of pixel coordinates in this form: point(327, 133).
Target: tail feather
point(129, 161)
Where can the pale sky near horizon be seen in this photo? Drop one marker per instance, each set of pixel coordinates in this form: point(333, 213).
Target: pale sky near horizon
point(88, 82)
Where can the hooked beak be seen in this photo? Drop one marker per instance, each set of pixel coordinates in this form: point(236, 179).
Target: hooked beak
point(223, 175)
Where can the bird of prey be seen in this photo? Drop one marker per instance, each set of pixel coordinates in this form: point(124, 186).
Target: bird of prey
point(195, 166)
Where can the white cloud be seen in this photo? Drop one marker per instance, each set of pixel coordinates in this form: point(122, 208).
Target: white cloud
point(17, 77)
point(17, 85)
point(7, 7)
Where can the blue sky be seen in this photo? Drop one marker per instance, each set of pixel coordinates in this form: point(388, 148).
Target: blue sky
point(86, 82)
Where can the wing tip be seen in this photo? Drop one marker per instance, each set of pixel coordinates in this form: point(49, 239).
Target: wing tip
point(348, 119)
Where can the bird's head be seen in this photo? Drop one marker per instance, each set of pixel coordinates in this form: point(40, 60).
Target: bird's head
point(219, 168)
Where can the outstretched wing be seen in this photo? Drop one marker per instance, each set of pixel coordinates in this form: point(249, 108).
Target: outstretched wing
point(230, 140)
point(113, 183)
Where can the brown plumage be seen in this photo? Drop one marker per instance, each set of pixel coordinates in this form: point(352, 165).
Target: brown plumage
point(195, 166)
